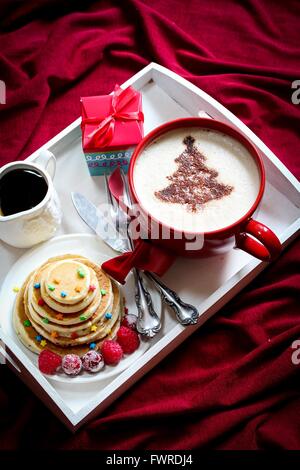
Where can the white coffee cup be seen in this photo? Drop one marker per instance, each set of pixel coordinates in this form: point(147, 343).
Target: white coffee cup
point(27, 228)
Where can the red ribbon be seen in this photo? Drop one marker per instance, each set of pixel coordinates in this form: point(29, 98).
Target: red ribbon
point(145, 256)
point(103, 134)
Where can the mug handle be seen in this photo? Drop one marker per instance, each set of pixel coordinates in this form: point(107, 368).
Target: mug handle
point(265, 245)
point(48, 161)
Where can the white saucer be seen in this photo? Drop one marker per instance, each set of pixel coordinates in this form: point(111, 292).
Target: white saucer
point(87, 245)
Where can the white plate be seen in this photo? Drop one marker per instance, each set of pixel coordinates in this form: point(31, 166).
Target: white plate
point(82, 244)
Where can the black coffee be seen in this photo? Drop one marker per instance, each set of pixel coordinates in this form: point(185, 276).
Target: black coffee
point(21, 190)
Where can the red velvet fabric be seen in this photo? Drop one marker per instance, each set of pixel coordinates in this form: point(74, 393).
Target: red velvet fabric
point(232, 385)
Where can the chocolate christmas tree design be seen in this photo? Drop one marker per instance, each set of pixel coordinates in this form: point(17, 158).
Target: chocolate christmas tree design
point(193, 183)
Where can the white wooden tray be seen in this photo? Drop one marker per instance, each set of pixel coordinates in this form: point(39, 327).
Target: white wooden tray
point(208, 283)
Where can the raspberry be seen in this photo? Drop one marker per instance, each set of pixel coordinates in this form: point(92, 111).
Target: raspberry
point(112, 352)
point(49, 362)
point(128, 339)
point(130, 321)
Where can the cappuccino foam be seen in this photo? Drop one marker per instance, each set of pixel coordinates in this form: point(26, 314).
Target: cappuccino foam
point(196, 180)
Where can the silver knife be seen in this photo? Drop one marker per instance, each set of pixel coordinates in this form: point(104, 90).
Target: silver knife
point(99, 222)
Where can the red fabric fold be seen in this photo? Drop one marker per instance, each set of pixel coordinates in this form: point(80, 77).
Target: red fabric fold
point(232, 384)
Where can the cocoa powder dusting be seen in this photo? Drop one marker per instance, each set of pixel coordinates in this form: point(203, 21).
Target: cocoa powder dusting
point(193, 183)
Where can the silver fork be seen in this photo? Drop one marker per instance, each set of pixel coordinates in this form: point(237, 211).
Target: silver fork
point(148, 322)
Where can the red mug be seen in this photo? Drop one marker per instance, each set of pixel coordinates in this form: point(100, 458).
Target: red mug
point(249, 234)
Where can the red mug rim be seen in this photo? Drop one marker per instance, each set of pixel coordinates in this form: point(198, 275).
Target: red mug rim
point(205, 123)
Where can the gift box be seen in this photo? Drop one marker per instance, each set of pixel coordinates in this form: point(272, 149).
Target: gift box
point(112, 126)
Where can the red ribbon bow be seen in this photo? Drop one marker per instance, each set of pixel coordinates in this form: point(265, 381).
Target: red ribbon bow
point(145, 256)
point(103, 134)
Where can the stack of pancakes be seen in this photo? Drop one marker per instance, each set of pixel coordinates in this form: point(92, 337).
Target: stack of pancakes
point(67, 305)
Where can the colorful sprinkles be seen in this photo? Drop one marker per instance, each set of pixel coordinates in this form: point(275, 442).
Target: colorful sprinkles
point(92, 323)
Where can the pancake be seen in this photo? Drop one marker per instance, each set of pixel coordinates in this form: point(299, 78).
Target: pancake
point(36, 294)
point(104, 327)
point(67, 281)
point(40, 277)
point(80, 326)
point(27, 335)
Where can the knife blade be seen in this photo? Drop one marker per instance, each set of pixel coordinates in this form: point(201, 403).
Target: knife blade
point(86, 210)
point(99, 222)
